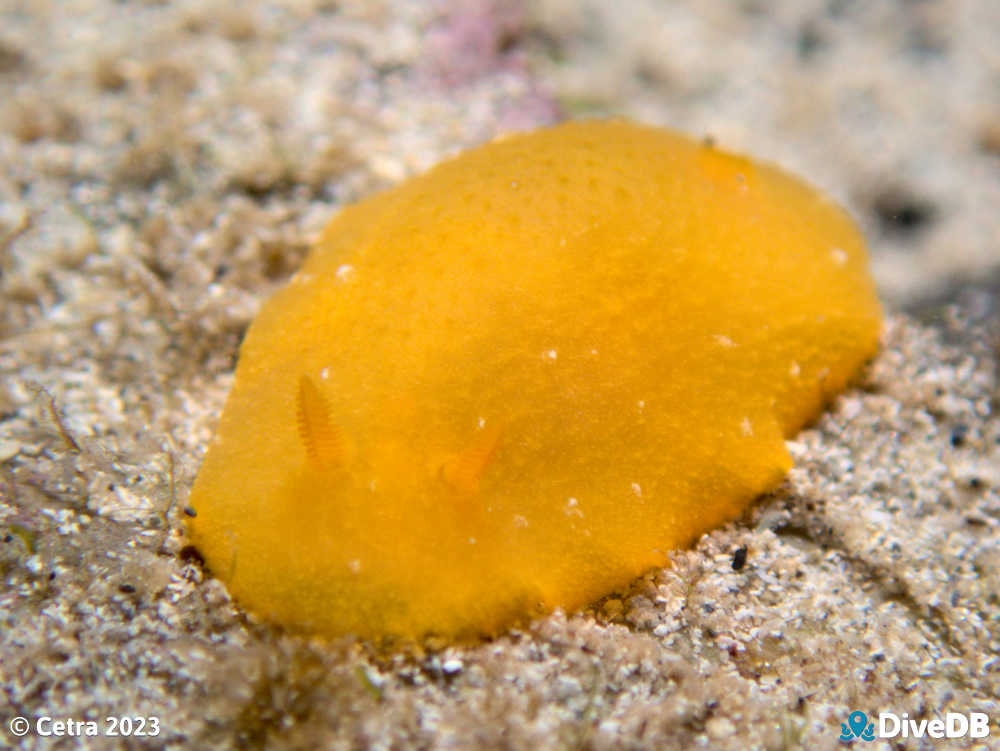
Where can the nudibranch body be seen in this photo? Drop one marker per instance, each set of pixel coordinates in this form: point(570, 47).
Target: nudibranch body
point(516, 382)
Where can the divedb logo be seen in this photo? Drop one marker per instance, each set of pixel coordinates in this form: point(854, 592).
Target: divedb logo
point(890, 725)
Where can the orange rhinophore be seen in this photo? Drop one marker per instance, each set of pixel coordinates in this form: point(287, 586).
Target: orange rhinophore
point(463, 470)
point(322, 441)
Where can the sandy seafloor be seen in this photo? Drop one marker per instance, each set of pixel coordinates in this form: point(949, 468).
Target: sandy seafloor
point(164, 166)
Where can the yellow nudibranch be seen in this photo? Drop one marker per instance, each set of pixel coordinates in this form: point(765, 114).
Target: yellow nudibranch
point(514, 383)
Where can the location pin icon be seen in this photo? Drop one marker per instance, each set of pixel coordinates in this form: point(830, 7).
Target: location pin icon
point(857, 721)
